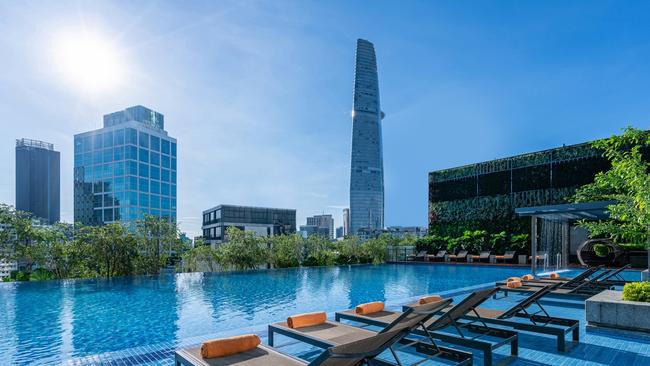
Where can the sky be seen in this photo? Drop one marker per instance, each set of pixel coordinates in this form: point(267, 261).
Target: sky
point(259, 93)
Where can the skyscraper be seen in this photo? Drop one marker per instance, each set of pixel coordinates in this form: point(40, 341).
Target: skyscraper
point(125, 170)
point(346, 221)
point(38, 179)
point(367, 166)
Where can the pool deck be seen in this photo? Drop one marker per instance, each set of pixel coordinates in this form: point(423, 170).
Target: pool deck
point(596, 347)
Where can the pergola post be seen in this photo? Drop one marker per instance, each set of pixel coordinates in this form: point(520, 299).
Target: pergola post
point(533, 245)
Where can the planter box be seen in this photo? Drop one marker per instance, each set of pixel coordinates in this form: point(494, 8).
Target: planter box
point(608, 310)
point(523, 259)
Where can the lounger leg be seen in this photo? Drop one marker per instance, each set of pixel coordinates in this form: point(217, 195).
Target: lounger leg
point(514, 347)
point(487, 357)
point(270, 337)
point(561, 344)
point(576, 334)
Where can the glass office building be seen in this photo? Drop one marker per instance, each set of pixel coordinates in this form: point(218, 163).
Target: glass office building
point(125, 170)
point(38, 180)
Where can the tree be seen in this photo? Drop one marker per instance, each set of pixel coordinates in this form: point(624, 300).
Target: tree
point(627, 183)
point(111, 249)
point(286, 250)
point(157, 240)
point(200, 257)
point(242, 250)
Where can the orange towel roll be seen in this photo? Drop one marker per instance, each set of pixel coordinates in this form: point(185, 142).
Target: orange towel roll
point(528, 277)
point(229, 346)
point(514, 279)
point(369, 308)
point(306, 319)
point(430, 299)
point(514, 284)
point(554, 275)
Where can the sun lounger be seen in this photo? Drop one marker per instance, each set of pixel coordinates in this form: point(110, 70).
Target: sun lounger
point(361, 351)
point(450, 319)
point(260, 356)
point(507, 256)
point(565, 282)
point(422, 254)
point(538, 322)
point(485, 255)
point(439, 256)
point(461, 255)
point(336, 334)
point(585, 289)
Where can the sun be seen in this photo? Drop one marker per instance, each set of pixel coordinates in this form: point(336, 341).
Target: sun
point(87, 61)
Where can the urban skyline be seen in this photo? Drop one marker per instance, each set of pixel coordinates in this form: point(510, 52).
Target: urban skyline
point(457, 93)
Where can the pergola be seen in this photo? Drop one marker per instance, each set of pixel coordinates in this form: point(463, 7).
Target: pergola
point(565, 213)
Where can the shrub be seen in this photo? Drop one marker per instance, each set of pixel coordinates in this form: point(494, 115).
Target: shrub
point(601, 250)
point(633, 247)
point(22, 276)
point(40, 274)
point(321, 258)
point(637, 291)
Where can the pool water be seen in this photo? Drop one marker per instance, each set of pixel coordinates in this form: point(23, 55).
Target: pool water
point(54, 321)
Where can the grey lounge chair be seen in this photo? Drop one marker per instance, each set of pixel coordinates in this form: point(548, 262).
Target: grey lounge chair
point(540, 256)
point(565, 282)
point(461, 255)
point(439, 256)
point(338, 334)
point(361, 351)
point(583, 290)
point(538, 322)
point(485, 338)
point(484, 255)
point(422, 254)
point(507, 256)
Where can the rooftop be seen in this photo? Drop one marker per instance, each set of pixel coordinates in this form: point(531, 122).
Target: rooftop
point(34, 143)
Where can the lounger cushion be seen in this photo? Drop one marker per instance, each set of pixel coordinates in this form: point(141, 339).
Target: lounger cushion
point(306, 319)
point(229, 346)
point(429, 299)
point(369, 308)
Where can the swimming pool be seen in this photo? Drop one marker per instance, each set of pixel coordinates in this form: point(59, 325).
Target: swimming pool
point(54, 321)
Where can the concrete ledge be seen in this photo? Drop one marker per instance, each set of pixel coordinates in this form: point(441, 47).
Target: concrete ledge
point(608, 310)
point(645, 275)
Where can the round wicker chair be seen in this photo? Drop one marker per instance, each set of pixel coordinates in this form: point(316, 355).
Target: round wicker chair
point(588, 256)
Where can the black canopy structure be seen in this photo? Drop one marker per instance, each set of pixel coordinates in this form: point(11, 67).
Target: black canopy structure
point(563, 214)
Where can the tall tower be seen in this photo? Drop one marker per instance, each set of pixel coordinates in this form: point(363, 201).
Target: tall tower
point(38, 181)
point(367, 165)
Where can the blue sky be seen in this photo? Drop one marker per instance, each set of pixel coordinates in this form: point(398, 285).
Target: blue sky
point(259, 94)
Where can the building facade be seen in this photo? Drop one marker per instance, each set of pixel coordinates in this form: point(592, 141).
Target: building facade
point(339, 232)
point(38, 180)
point(260, 220)
point(485, 195)
point(125, 170)
point(324, 222)
point(367, 166)
point(346, 221)
point(308, 230)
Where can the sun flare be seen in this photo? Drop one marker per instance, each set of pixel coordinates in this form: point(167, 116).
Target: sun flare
point(87, 61)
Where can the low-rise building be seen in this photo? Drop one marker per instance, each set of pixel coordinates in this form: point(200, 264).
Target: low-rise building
point(262, 221)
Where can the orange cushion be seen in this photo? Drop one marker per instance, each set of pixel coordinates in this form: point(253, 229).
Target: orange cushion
point(429, 299)
point(527, 277)
point(306, 319)
point(369, 308)
point(515, 279)
point(229, 346)
point(514, 284)
point(554, 275)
